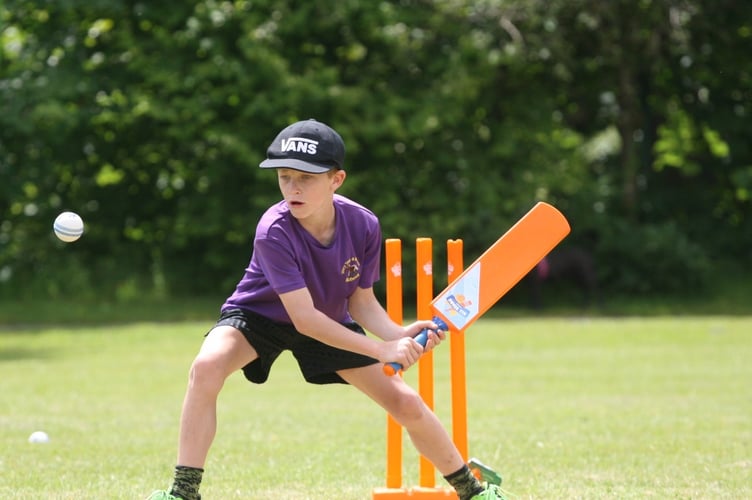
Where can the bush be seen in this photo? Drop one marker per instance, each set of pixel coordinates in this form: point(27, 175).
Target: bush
point(656, 258)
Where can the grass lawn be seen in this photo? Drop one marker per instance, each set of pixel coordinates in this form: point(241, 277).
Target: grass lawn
point(564, 407)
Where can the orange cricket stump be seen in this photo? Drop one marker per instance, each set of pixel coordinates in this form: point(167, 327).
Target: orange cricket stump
point(457, 360)
point(426, 490)
point(424, 295)
point(394, 309)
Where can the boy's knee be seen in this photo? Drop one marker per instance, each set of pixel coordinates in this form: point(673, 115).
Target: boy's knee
point(408, 408)
point(206, 374)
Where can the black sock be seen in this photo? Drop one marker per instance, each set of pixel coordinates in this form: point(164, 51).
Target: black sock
point(464, 483)
point(186, 483)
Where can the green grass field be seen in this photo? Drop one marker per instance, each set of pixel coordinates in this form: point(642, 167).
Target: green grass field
point(563, 407)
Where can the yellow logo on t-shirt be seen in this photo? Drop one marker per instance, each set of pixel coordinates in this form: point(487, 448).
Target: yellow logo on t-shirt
point(351, 269)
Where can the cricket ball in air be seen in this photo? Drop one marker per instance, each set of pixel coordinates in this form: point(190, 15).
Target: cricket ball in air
point(68, 226)
point(39, 437)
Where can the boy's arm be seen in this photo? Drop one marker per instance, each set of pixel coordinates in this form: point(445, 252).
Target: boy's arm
point(310, 321)
point(368, 312)
point(366, 309)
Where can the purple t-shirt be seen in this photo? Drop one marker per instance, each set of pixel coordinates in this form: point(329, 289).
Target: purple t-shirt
point(286, 258)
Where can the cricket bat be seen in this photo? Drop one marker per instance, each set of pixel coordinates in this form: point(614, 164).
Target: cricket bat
point(495, 272)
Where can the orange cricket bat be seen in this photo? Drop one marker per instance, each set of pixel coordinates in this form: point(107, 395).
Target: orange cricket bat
point(496, 271)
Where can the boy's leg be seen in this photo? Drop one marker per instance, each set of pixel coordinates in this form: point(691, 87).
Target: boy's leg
point(426, 432)
point(224, 351)
point(406, 406)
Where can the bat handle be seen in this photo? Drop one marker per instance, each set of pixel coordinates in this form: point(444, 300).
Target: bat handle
point(393, 368)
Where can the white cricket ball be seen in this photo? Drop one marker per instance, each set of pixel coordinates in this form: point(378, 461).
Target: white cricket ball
point(39, 437)
point(68, 226)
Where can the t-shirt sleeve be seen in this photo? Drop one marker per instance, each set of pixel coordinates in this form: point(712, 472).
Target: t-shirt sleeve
point(279, 265)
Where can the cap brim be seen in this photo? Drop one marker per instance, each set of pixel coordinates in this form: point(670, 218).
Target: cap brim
point(294, 164)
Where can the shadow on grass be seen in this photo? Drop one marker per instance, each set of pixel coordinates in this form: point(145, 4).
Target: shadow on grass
point(24, 353)
point(27, 316)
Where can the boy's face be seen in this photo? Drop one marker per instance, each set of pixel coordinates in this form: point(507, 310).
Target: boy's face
point(305, 193)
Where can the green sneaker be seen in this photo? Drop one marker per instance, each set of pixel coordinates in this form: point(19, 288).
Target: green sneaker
point(162, 495)
point(492, 492)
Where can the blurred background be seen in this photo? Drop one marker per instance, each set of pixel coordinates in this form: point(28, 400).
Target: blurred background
point(149, 120)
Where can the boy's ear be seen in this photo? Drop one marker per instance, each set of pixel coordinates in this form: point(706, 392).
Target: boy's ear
point(338, 178)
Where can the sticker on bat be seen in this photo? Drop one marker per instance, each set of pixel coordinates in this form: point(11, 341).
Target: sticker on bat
point(459, 303)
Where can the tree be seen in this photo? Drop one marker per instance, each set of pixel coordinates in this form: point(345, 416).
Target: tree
point(150, 121)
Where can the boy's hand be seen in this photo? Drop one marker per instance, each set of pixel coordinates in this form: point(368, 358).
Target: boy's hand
point(435, 335)
point(409, 348)
point(407, 351)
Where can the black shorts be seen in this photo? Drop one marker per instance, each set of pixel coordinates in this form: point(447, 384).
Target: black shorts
point(318, 362)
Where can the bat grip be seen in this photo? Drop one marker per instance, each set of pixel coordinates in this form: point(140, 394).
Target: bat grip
point(393, 368)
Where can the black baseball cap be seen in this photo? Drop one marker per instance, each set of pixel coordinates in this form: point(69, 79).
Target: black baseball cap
point(309, 146)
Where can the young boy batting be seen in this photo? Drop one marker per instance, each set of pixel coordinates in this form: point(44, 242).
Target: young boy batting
point(309, 288)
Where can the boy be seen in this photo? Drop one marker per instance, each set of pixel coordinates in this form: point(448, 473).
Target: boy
point(308, 288)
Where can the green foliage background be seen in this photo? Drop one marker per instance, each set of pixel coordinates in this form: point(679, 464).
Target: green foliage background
point(149, 119)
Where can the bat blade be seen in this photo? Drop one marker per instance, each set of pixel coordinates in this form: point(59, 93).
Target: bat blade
point(496, 271)
point(501, 267)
